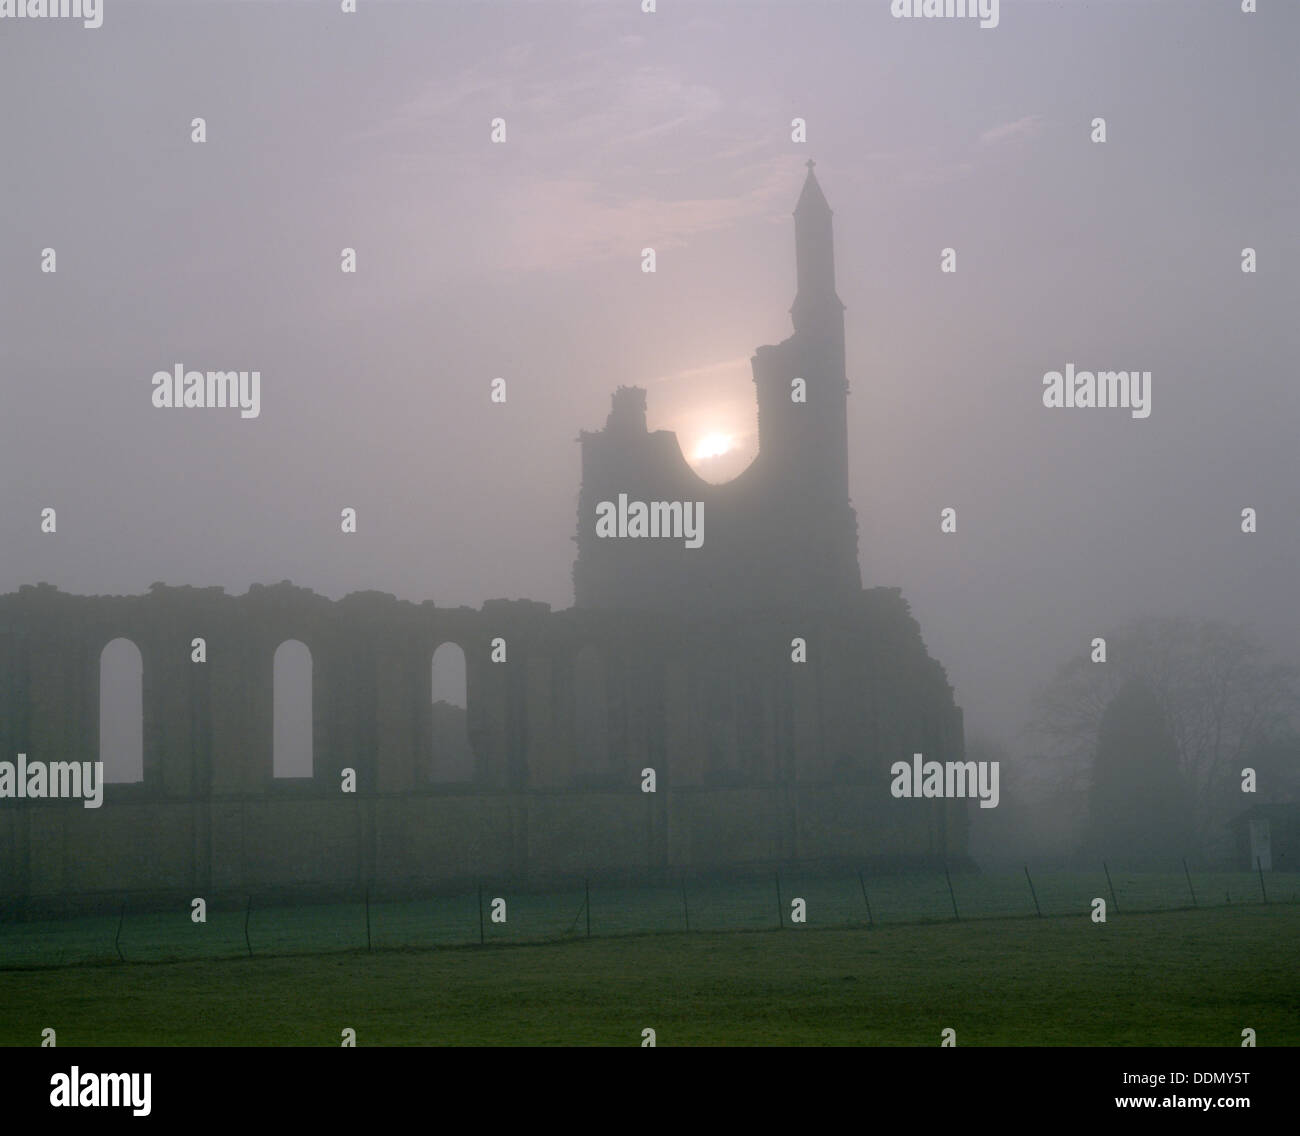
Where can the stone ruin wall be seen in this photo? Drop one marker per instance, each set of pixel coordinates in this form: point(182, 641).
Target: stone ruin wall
point(758, 760)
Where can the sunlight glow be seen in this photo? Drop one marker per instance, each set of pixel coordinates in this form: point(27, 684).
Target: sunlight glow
point(712, 446)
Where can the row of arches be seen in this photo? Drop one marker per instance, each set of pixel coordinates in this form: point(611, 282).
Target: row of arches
point(121, 733)
point(121, 713)
point(732, 706)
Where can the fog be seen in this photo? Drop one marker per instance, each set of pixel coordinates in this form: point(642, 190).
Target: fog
point(522, 261)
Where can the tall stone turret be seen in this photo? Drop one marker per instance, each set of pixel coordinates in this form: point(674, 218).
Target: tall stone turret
point(808, 440)
point(783, 533)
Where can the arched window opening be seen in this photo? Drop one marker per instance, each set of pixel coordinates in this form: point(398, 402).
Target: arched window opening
point(121, 712)
point(292, 743)
point(453, 756)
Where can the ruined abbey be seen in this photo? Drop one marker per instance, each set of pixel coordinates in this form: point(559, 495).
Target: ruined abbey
point(766, 689)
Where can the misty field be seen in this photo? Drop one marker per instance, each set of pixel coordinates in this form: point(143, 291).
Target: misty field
point(695, 905)
point(1176, 978)
point(1156, 973)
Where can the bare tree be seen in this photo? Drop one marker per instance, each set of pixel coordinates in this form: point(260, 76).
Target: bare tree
point(1222, 693)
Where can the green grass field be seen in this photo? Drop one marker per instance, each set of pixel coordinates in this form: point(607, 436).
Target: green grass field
point(709, 905)
point(1193, 977)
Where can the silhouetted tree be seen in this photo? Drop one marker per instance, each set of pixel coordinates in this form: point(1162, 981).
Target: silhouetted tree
point(1138, 808)
point(1221, 693)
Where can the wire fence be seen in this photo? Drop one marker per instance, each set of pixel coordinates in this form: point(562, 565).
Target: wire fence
point(497, 914)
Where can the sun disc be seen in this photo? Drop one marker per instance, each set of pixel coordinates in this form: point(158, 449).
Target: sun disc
point(712, 446)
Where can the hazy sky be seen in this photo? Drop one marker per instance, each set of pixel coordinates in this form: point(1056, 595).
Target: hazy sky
point(522, 260)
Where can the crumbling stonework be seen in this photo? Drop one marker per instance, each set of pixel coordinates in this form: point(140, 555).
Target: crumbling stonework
point(757, 758)
point(784, 533)
point(673, 659)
